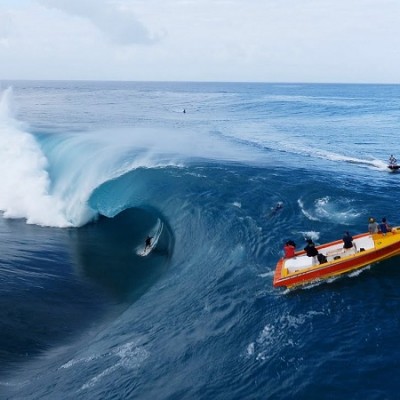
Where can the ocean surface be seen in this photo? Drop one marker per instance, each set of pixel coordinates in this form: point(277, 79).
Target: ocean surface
point(89, 169)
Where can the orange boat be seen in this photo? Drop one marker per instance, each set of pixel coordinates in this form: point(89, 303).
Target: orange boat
point(367, 249)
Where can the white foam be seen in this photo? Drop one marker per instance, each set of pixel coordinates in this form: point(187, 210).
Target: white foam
point(128, 356)
point(327, 209)
point(250, 349)
point(359, 271)
point(305, 212)
point(313, 235)
point(25, 183)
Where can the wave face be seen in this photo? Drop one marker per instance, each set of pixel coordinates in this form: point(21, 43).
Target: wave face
point(90, 169)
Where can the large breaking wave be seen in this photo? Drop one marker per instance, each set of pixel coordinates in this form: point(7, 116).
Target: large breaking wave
point(25, 185)
point(48, 179)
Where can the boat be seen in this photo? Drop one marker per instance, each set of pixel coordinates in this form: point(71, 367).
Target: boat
point(394, 167)
point(367, 249)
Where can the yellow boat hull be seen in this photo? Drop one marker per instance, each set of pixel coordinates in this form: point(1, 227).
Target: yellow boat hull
point(368, 249)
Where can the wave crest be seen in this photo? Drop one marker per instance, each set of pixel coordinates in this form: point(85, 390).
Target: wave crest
point(25, 184)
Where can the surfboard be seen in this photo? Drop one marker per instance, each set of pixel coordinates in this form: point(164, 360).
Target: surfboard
point(155, 234)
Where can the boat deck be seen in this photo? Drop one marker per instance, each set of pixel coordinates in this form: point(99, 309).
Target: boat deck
point(333, 252)
point(367, 249)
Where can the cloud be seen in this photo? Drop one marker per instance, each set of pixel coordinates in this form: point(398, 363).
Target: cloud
point(5, 27)
point(198, 40)
point(116, 22)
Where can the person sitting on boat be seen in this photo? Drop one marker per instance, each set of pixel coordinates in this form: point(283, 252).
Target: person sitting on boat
point(373, 226)
point(384, 227)
point(347, 240)
point(289, 249)
point(311, 251)
point(392, 161)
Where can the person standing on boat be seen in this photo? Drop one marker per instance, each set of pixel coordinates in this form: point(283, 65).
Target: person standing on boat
point(392, 160)
point(373, 226)
point(289, 249)
point(347, 240)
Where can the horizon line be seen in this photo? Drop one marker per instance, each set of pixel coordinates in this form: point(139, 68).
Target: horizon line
point(199, 81)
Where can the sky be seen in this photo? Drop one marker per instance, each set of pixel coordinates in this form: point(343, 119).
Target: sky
point(323, 41)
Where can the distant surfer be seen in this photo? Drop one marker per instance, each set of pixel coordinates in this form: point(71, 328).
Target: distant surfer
point(147, 242)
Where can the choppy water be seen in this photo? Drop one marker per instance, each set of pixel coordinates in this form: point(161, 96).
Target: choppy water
point(90, 168)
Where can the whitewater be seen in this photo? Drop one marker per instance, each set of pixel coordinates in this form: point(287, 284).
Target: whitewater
point(89, 169)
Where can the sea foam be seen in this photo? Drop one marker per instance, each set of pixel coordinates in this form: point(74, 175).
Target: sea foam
point(25, 183)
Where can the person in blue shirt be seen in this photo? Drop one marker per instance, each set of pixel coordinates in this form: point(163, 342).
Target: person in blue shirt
point(384, 227)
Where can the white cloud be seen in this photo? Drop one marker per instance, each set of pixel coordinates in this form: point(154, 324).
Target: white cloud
point(116, 22)
point(236, 40)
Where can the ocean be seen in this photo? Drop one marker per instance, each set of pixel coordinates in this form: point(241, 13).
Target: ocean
point(90, 169)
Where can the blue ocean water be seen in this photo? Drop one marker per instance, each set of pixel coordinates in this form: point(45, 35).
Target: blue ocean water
point(89, 169)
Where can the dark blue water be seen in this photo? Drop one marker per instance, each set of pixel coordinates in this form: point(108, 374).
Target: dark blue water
point(91, 168)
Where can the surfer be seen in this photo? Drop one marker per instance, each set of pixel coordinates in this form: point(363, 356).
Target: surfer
point(147, 242)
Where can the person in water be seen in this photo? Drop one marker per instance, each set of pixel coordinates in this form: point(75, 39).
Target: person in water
point(289, 249)
point(347, 240)
point(274, 210)
point(147, 242)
